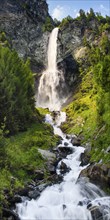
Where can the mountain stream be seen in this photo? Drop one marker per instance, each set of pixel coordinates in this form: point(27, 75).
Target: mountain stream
point(73, 198)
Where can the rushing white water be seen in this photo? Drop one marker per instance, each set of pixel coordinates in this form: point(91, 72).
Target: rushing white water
point(61, 201)
point(48, 96)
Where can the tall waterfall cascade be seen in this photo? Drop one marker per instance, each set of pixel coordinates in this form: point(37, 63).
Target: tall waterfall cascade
point(74, 198)
point(48, 96)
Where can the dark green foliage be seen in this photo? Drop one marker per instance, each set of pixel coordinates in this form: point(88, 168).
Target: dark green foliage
point(100, 18)
point(91, 15)
point(108, 19)
point(66, 21)
point(16, 91)
point(56, 22)
point(48, 26)
point(2, 36)
point(3, 145)
point(82, 14)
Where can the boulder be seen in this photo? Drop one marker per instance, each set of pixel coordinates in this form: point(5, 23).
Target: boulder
point(84, 202)
point(55, 179)
point(96, 213)
point(7, 213)
point(85, 158)
point(51, 169)
point(39, 175)
point(68, 136)
point(64, 151)
point(98, 174)
point(24, 191)
point(41, 187)
point(76, 141)
point(46, 154)
point(63, 168)
point(16, 199)
point(64, 206)
point(34, 194)
point(65, 144)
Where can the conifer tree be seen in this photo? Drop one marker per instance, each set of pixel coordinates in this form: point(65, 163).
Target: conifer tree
point(16, 91)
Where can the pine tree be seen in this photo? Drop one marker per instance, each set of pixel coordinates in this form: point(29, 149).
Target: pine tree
point(16, 91)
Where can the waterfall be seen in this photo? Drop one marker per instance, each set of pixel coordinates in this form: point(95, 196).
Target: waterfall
point(73, 198)
point(48, 96)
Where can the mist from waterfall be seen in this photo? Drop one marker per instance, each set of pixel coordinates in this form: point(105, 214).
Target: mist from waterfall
point(48, 96)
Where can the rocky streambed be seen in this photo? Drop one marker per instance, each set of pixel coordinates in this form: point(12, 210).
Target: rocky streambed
point(69, 183)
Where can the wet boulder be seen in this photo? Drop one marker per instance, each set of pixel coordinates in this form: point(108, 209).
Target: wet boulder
point(9, 214)
point(51, 168)
point(96, 213)
point(63, 168)
point(68, 136)
point(98, 174)
point(39, 175)
point(64, 206)
point(65, 144)
point(24, 191)
point(41, 187)
point(76, 141)
point(15, 199)
point(55, 179)
point(34, 194)
point(85, 158)
point(64, 151)
point(84, 202)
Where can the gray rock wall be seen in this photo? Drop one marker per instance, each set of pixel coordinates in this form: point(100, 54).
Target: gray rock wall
point(22, 21)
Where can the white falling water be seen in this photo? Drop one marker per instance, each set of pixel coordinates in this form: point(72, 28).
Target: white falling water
point(61, 201)
point(48, 96)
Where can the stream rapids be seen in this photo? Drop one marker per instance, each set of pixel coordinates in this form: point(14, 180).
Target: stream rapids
point(73, 198)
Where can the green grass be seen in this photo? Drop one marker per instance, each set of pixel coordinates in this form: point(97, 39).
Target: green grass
point(43, 111)
point(81, 113)
point(82, 120)
point(21, 156)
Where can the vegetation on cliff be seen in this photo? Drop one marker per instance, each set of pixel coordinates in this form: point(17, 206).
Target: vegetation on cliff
point(22, 127)
point(89, 113)
point(104, 22)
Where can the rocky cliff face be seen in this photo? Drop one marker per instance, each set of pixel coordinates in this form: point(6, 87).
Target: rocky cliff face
point(72, 47)
point(22, 21)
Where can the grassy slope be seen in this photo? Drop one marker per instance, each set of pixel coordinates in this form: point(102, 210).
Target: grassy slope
point(22, 157)
point(82, 118)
